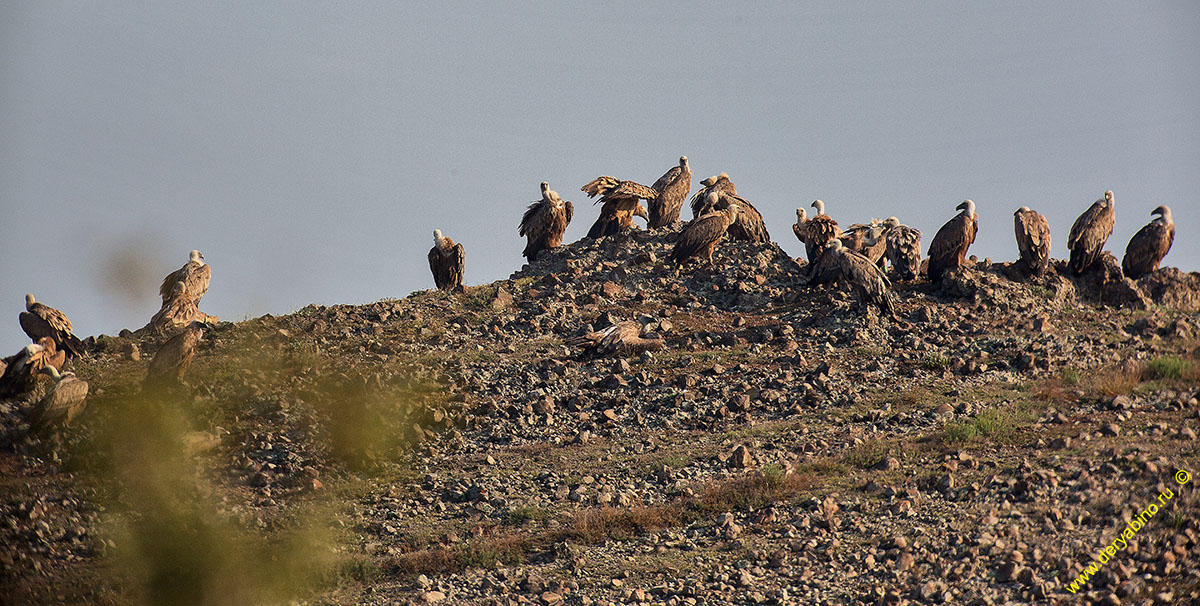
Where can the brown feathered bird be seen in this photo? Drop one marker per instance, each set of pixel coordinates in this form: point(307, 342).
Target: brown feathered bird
point(702, 235)
point(903, 248)
point(620, 339)
point(801, 225)
point(1149, 245)
point(1089, 233)
point(621, 202)
point(818, 231)
point(544, 223)
point(949, 247)
point(22, 370)
point(1033, 240)
point(749, 225)
point(40, 320)
point(840, 264)
point(719, 184)
point(446, 260)
point(172, 360)
point(179, 311)
point(673, 188)
point(62, 403)
point(195, 275)
point(867, 240)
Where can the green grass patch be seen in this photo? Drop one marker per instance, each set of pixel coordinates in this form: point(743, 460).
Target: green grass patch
point(1169, 367)
point(935, 361)
point(1070, 376)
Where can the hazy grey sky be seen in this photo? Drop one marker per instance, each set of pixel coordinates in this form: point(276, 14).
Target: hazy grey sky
point(309, 151)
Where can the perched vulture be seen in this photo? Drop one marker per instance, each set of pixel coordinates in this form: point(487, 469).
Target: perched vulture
point(621, 202)
point(673, 188)
point(867, 240)
point(1033, 240)
point(903, 248)
point(702, 235)
point(719, 184)
point(614, 219)
point(840, 264)
point(1089, 233)
point(544, 223)
point(22, 370)
point(195, 275)
point(179, 311)
point(749, 225)
point(1149, 245)
point(620, 339)
point(62, 403)
point(818, 231)
point(949, 247)
point(43, 321)
point(446, 262)
point(800, 225)
point(171, 361)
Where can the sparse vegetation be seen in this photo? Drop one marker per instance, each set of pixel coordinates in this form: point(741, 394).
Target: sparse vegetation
point(935, 361)
point(1170, 367)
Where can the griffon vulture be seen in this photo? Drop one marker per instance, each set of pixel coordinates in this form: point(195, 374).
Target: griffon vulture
point(949, 247)
point(621, 202)
point(1089, 233)
point(818, 231)
point(1149, 245)
point(179, 311)
point(544, 223)
point(22, 370)
point(446, 262)
point(867, 240)
point(170, 363)
point(800, 225)
point(44, 321)
point(620, 339)
point(673, 188)
point(903, 248)
point(702, 235)
point(62, 403)
point(719, 184)
point(1033, 240)
point(840, 264)
point(195, 275)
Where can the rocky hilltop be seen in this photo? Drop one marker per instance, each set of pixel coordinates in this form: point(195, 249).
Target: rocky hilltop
point(786, 447)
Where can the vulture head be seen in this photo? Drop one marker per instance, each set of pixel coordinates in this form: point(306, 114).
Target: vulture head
point(1023, 209)
point(29, 301)
point(968, 206)
point(723, 176)
point(801, 216)
point(709, 182)
point(734, 209)
point(1164, 212)
point(891, 222)
point(820, 206)
point(1108, 197)
point(682, 161)
point(195, 256)
point(437, 236)
point(640, 211)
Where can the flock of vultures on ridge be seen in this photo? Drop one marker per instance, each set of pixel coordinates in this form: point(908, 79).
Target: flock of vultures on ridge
point(857, 256)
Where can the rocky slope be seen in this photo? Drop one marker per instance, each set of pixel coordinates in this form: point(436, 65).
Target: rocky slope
point(783, 449)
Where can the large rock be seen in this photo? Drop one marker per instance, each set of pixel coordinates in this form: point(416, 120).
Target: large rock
point(1173, 288)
